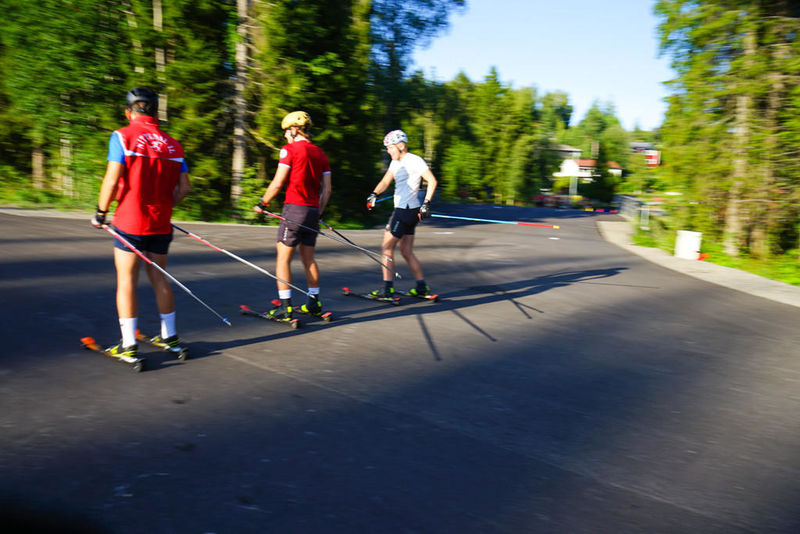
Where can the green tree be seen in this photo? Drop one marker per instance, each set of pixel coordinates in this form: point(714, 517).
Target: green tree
point(603, 185)
point(15, 149)
point(61, 109)
point(397, 27)
point(736, 73)
point(323, 72)
point(197, 85)
point(555, 112)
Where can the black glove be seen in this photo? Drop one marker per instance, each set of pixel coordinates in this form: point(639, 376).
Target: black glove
point(261, 206)
point(425, 210)
point(99, 218)
point(371, 201)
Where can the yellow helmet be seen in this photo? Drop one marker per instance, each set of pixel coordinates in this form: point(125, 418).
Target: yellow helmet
point(301, 119)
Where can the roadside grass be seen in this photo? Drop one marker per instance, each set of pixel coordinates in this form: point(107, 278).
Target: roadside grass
point(784, 268)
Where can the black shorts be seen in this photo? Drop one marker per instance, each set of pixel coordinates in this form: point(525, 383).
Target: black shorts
point(403, 221)
point(155, 243)
point(290, 233)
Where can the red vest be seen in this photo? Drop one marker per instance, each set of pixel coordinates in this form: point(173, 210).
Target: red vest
point(307, 164)
point(153, 162)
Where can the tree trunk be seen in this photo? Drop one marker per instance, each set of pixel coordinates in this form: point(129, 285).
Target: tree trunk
point(733, 217)
point(66, 182)
point(161, 62)
point(138, 55)
point(239, 105)
point(37, 166)
point(767, 211)
point(431, 136)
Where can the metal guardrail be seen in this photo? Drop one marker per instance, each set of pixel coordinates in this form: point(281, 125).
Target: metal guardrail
point(629, 207)
point(634, 210)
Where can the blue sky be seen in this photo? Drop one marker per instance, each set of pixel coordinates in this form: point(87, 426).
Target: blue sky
point(590, 49)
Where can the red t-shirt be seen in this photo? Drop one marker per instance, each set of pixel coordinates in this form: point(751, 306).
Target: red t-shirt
point(307, 163)
point(153, 162)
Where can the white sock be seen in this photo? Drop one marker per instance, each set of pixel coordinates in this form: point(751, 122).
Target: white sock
point(284, 294)
point(167, 325)
point(128, 328)
point(313, 291)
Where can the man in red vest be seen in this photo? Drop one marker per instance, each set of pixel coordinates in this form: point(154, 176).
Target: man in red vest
point(147, 174)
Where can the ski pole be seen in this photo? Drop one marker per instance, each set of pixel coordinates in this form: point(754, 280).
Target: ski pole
point(234, 256)
point(164, 272)
point(373, 255)
point(495, 221)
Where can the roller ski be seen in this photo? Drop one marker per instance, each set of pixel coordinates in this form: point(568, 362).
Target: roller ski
point(379, 295)
point(421, 292)
point(128, 355)
point(313, 308)
point(170, 344)
point(276, 314)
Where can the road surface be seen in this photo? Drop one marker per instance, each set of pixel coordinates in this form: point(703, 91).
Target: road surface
point(562, 384)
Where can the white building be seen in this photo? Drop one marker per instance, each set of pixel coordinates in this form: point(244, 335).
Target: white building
point(585, 169)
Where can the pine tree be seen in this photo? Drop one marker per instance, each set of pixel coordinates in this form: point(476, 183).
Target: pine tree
point(67, 105)
point(735, 74)
point(397, 27)
point(314, 56)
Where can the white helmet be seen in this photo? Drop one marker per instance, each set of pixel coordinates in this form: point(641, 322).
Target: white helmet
point(394, 137)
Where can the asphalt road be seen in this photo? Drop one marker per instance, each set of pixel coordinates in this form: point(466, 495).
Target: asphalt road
point(562, 385)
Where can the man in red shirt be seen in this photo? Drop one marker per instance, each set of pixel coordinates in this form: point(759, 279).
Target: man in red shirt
point(304, 170)
point(147, 174)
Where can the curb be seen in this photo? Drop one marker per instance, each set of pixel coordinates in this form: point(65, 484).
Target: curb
point(620, 233)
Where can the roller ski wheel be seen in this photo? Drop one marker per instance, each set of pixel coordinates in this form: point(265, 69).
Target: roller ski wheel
point(388, 300)
point(182, 353)
point(136, 364)
point(293, 323)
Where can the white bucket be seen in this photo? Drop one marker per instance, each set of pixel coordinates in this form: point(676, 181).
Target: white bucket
point(687, 245)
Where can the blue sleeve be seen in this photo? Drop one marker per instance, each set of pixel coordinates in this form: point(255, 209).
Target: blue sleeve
point(117, 153)
point(115, 150)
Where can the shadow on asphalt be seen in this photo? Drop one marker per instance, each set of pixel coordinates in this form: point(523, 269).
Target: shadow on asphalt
point(576, 433)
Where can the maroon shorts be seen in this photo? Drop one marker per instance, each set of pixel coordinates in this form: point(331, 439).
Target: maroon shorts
point(291, 231)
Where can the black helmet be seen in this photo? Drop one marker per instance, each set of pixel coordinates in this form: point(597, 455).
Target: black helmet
point(145, 97)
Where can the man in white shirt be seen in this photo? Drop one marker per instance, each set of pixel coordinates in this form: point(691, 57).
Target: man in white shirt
point(407, 170)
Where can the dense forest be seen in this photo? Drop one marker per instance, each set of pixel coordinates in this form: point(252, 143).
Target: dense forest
point(228, 70)
point(731, 136)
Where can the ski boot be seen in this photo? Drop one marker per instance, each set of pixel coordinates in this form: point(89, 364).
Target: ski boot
point(422, 292)
point(280, 312)
point(171, 344)
point(166, 343)
point(127, 354)
point(312, 307)
point(382, 293)
point(419, 291)
point(118, 351)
